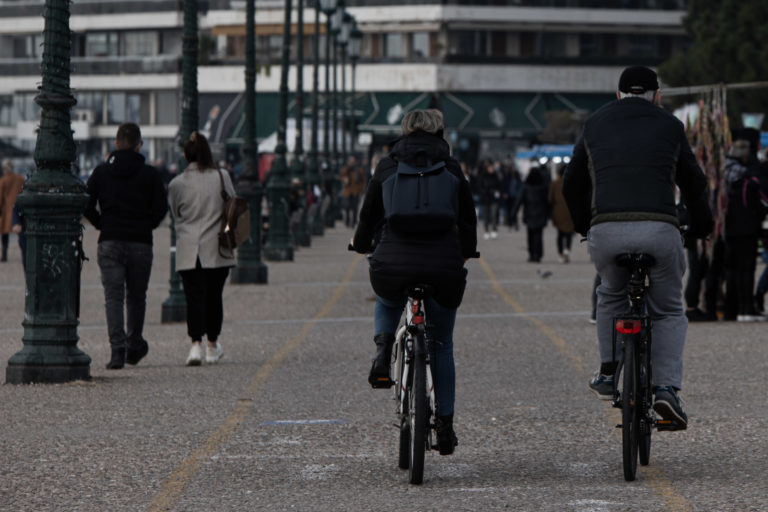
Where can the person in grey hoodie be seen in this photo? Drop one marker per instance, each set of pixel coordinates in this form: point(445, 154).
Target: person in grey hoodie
point(127, 201)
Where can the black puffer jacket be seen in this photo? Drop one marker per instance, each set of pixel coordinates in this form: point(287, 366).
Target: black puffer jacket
point(533, 198)
point(402, 259)
point(625, 167)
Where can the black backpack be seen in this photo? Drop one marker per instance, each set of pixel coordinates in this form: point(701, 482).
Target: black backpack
point(421, 199)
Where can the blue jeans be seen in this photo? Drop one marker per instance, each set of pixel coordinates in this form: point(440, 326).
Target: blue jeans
point(125, 269)
point(440, 322)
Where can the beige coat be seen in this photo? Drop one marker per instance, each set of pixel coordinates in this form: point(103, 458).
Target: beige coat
point(10, 187)
point(195, 201)
point(561, 215)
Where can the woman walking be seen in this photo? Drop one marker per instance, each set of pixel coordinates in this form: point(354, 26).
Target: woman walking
point(561, 217)
point(197, 204)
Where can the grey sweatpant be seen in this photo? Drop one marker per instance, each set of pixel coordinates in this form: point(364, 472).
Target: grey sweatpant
point(664, 299)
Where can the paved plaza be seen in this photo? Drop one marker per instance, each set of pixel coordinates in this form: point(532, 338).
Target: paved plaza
point(287, 421)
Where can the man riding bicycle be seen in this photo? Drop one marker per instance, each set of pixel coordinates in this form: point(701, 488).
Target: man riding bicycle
point(410, 251)
point(620, 189)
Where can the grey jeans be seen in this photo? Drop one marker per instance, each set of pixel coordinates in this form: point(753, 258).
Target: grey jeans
point(125, 269)
point(664, 299)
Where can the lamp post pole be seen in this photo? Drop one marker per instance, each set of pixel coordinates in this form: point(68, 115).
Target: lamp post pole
point(315, 179)
point(279, 246)
point(334, 214)
point(250, 268)
point(298, 166)
point(53, 202)
point(343, 42)
point(355, 40)
point(175, 306)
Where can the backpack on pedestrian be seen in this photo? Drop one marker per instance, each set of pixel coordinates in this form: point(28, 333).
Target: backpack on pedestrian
point(421, 200)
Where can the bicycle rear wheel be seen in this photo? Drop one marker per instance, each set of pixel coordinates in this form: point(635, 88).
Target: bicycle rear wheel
point(404, 447)
point(646, 426)
point(630, 417)
point(417, 416)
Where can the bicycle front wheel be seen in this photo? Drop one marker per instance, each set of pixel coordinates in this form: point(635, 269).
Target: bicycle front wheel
point(417, 415)
point(630, 417)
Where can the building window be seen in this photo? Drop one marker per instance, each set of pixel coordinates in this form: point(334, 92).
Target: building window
point(589, 45)
point(420, 47)
point(553, 44)
point(93, 102)
point(126, 108)
point(140, 44)
point(25, 107)
point(393, 45)
point(101, 44)
point(27, 47)
point(167, 107)
point(469, 42)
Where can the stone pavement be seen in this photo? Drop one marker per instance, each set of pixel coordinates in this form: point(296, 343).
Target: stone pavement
point(287, 421)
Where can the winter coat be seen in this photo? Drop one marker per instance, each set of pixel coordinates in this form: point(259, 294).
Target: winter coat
point(130, 196)
point(10, 187)
point(402, 259)
point(533, 199)
point(353, 181)
point(561, 217)
point(625, 166)
point(196, 205)
point(490, 186)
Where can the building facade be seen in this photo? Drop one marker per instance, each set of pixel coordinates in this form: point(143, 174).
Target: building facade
point(503, 72)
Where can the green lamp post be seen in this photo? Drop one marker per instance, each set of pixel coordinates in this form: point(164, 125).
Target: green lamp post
point(334, 213)
point(329, 176)
point(52, 202)
point(355, 40)
point(250, 268)
point(301, 234)
point(344, 33)
point(279, 246)
point(175, 306)
point(315, 178)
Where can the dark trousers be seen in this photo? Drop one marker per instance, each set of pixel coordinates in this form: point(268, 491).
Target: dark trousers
point(125, 269)
point(4, 239)
point(535, 244)
point(740, 262)
point(563, 241)
point(350, 210)
point(491, 215)
point(205, 311)
point(715, 273)
point(697, 271)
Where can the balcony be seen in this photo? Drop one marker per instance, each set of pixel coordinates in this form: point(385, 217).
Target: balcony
point(98, 66)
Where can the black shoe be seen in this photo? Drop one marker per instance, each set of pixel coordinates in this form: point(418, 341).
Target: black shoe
point(668, 405)
point(697, 315)
point(379, 374)
point(134, 354)
point(118, 359)
point(446, 437)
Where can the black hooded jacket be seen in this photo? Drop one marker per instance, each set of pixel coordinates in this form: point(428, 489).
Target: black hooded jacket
point(625, 167)
point(401, 259)
point(130, 195)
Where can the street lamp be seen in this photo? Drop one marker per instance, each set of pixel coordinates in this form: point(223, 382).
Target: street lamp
point(329, 177)
point(355, 40)
point(298, 166)
point(53, 201)
point(314, 164)
point(344, 32)
point(174, 308)
point(334, 213)
point(250, 268)
point(279, 246)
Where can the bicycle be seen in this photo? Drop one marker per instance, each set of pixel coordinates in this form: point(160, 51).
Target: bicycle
point(414, 389)
point(634, 332)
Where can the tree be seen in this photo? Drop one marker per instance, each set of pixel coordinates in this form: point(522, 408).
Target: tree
point(729, 44)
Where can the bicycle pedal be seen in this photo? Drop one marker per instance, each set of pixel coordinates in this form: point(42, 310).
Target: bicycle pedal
point(668, 426)
point(381, 383)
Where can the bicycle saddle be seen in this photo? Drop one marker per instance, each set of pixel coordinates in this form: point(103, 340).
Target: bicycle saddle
point(635, 259)
point(419, 291)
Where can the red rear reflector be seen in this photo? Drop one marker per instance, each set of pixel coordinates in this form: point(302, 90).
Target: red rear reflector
point(628, 326)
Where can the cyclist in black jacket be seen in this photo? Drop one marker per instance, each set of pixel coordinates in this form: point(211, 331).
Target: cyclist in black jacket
point(403, 259)
point(620, 189)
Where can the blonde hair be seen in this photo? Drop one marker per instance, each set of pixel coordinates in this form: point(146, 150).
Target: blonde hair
point(429, 120)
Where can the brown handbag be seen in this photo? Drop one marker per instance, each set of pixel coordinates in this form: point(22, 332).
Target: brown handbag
point(235, 221)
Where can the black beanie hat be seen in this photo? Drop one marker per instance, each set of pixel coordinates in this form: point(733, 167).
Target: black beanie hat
point(638, 80)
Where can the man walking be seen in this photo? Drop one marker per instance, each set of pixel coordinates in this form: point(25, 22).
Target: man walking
point(131, 201)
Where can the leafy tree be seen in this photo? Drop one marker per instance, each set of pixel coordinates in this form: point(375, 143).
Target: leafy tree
point(729, 44)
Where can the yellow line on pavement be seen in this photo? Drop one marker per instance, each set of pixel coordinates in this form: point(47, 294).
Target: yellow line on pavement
point(653, 476)
point(179, 479)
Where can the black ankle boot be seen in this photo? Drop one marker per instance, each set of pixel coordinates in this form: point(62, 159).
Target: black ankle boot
point(379, 375)
point(118, 359)
point(446, 437)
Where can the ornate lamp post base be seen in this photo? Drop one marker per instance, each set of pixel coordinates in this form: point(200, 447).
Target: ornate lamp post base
point(25, 373)
point(174, 310)
point(255, 274)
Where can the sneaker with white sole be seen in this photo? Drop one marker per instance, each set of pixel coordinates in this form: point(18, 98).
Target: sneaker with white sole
point(195, 357)
point(602, 386)
point(213, 354)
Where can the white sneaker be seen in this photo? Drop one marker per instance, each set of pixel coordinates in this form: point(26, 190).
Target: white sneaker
point(486, 236)
point(494, 235)
point(213, 354)
point(195, 357)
